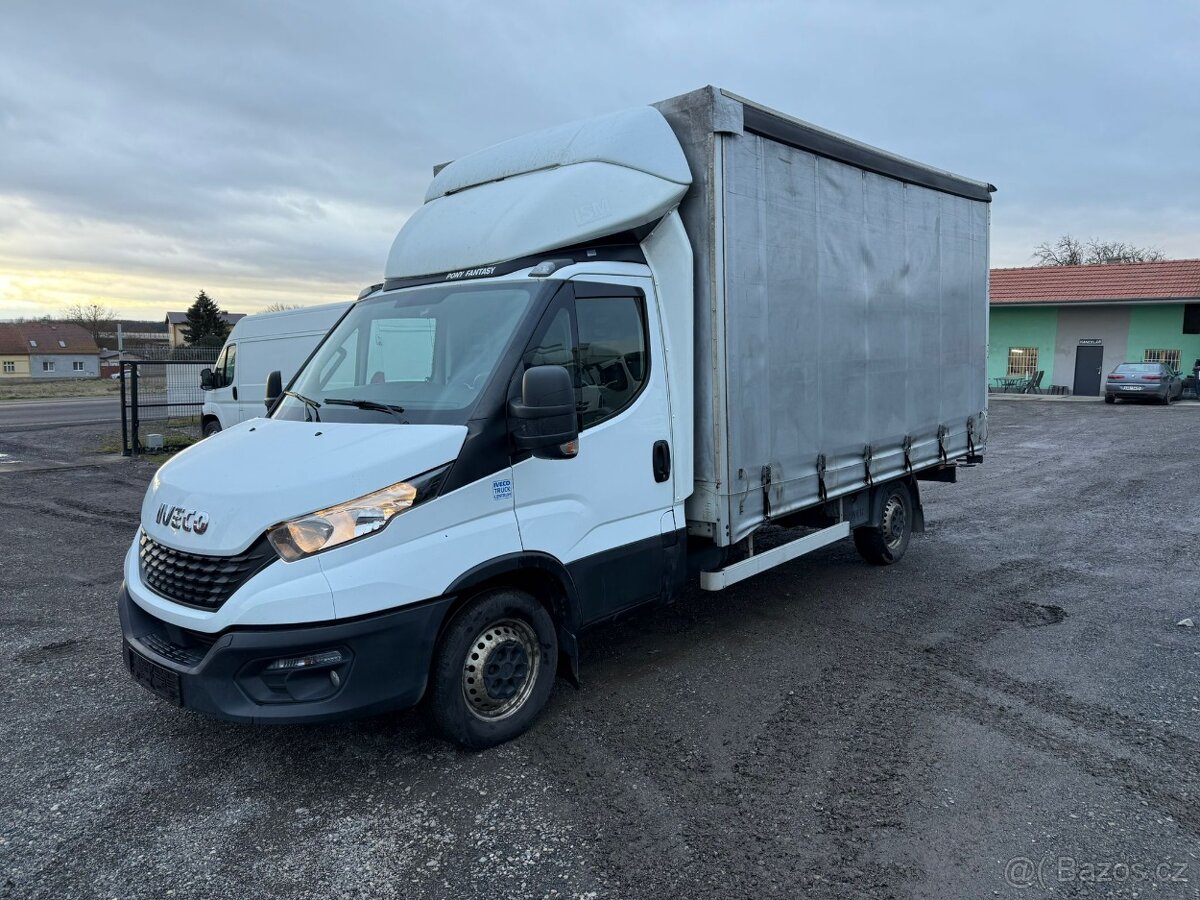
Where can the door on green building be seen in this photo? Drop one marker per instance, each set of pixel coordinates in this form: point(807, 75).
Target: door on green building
point(1089, 361)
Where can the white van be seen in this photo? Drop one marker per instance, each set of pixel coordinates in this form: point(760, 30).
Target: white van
point(258, 345)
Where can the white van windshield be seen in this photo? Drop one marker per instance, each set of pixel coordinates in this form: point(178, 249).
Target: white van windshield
point(419, 356)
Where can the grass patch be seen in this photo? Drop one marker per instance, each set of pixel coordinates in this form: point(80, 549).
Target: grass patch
point(58, 390)
point(178, 434)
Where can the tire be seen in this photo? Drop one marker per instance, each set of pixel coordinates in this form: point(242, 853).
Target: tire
point(1166, 400)
point(885, 543)
point(211, 427)
point(508, 633)
point(1109, 398)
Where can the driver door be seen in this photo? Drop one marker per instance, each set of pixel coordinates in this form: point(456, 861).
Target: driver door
point(607, 513)
point(224, 392)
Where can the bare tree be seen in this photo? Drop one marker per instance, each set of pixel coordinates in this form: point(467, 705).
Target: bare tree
point(283, 307)
point(97, 318)
point(1108, 252)
point(1070, 251)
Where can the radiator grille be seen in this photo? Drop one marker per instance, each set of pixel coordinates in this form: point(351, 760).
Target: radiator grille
point(194, 579)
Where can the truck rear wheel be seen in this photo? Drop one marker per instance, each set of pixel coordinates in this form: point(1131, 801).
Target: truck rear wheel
point(493, 669)
point(885, 541)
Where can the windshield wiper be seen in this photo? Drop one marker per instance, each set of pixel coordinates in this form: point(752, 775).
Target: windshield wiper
point(372, 405)
point(309, 403)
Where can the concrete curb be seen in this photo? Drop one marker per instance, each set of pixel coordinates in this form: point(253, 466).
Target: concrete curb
point(1044, 398)
point(1067, 398)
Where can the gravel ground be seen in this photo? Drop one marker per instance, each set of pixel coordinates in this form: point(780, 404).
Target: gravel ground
point(1011, 711)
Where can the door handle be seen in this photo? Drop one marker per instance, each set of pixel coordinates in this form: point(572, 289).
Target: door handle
point(235, 392)
point(662, 461)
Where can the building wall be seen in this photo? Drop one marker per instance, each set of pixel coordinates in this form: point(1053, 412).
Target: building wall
point(20, 364)
point(1022, 326)
point(1126, 331)
point(1109, 324)
point(63, 365)
point(1161, 328)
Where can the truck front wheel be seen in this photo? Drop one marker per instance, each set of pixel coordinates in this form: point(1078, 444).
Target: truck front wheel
point(493, 669)
point(884, 542)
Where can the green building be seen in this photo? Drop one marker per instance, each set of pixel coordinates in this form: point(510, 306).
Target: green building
point(1077, 323)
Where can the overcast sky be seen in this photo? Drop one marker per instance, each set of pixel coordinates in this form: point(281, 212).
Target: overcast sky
point(269, 151)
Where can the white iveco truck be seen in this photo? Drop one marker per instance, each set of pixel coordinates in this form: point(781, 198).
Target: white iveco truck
point(602, 358)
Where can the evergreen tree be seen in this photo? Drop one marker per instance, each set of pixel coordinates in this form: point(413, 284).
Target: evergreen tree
point(205, 327)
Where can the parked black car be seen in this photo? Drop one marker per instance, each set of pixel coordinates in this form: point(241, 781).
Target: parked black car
point(1143, 381)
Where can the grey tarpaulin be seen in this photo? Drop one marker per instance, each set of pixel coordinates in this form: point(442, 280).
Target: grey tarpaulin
point(840, 312)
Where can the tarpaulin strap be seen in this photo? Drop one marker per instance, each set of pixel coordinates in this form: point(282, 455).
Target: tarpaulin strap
point(867, 464)
point(821, 491)
point(970, 435)
point(942, 432)
point(908, 453)
point(766, 489)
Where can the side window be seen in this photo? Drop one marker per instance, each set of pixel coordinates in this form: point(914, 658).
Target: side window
point(613, 355)
point(556, 346)
point(230, 367)
point(219, 369)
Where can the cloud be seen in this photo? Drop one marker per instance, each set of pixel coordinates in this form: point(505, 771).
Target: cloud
point(241, 146)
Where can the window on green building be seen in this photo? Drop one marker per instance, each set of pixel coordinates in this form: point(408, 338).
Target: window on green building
point(1191, 318)
point(1170, 357)
point(1022, 362)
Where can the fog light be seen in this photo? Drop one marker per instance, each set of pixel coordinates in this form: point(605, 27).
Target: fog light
point(311, 661)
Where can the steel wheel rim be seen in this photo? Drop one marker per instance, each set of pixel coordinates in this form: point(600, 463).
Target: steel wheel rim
point(895, 520)
point(500, 669)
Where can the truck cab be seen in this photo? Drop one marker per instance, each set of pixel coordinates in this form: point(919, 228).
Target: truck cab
point(482, 457)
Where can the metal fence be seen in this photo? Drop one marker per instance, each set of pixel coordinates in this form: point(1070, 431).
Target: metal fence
point(161, 400)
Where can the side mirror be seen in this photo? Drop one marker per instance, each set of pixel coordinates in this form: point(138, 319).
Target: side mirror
point(206, 379)
point(544, 419)
point(274, 389)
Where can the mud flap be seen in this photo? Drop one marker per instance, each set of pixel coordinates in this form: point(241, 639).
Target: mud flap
point(568, 656)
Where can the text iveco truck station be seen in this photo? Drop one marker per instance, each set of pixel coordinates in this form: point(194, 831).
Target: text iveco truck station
point(603, 357)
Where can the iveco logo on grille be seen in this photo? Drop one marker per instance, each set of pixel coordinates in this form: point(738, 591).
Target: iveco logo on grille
point(179, 518)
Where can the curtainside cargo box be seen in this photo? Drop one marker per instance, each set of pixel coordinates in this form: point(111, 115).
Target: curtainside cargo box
point(840, 312)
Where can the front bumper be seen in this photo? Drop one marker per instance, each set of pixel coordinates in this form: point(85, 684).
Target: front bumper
point(384, 666)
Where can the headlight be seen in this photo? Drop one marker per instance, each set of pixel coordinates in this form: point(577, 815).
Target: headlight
point(336, 525)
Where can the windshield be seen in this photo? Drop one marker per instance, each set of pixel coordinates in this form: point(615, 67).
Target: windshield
point(1138, 368)
point(420, 356)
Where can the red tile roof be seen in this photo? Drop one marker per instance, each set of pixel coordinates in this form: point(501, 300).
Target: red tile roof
point(1175, 279)
point(15, 339)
